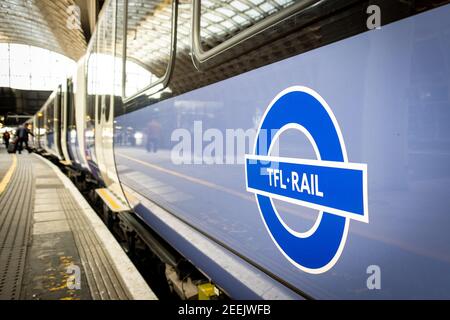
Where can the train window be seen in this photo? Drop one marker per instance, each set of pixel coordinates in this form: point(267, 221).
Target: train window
point(222, 24)
point(71, 117)
point(100, 106)
point(106, 60)
point(44, 120)
point(50, 116)
point(108, 107)
point(91, 88)
point(149, 49)
point(58, 108)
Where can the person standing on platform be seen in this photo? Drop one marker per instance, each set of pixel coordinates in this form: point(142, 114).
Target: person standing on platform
point(6, 137)
point(22, 136)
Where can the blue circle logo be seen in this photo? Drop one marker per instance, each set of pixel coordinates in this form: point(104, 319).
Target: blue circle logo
point(329, 184)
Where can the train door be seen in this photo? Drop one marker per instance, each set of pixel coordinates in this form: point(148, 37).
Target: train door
point(108, 73)
point(30, 124)
point(44, 127)
point(64, 122)
point(40, 129)
point(93, 86)
point(33, 130)
point(78, 122)
point(49, 118)
point(34, 136)
point(57, 122)
point(71, 134)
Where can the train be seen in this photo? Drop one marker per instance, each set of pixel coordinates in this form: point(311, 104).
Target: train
point(165, 119)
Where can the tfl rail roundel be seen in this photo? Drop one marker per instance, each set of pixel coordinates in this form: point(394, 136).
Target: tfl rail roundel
point(330, 184)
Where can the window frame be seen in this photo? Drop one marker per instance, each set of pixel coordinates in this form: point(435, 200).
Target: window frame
point(204, 60)
point(161, 83)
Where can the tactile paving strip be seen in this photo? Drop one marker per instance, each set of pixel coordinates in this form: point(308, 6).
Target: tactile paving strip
point(15, 225)
point(28, 183)
point(103, 281)
point(101, 275)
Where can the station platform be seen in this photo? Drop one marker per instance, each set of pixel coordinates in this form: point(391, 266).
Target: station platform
point(52, 244)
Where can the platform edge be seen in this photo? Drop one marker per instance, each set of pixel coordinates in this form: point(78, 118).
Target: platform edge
point(130, 276)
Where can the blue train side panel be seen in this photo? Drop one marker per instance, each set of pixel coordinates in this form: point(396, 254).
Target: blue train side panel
point(388, 90)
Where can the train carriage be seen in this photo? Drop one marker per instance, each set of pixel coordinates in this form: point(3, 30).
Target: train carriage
point(170, 100)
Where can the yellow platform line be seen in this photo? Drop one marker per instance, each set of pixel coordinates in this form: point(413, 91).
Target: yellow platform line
point(8, 175)
point(108, 198)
